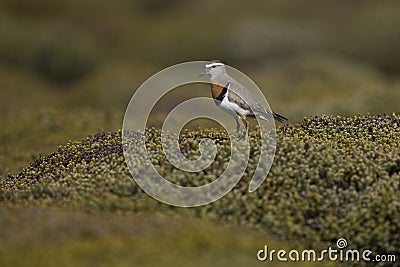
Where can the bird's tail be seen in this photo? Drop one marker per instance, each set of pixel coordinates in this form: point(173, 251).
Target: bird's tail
point(268, 116)
point(280, 118)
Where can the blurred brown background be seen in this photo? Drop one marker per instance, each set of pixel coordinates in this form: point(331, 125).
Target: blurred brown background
point(69, 68)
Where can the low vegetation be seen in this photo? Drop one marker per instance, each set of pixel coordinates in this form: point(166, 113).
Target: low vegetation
point(332, 177)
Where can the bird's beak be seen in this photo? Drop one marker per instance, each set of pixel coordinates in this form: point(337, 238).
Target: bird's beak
point(204, 73)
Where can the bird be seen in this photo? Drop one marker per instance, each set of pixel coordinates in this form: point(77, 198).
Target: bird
point(235, 99)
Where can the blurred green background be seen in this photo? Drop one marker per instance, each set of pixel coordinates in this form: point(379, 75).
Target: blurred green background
point(69, 68)
point(309, 57)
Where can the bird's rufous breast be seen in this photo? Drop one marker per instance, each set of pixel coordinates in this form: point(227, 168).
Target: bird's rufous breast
point(216, 90)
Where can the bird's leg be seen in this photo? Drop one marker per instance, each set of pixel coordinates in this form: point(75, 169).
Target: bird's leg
point(247, 131)
point(237, 125)
point(247, 127)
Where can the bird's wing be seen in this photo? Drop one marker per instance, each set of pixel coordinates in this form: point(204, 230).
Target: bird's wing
point(243, 96)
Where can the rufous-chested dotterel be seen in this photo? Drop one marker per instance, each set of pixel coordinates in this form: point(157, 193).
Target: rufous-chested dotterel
point(235, 99)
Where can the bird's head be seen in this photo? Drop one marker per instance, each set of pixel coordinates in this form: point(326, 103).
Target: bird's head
point(214, 69)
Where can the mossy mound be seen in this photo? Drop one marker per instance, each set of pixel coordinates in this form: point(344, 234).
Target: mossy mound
point(332, 177)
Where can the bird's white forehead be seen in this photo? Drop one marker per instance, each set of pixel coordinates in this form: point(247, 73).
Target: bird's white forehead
point(209, 65)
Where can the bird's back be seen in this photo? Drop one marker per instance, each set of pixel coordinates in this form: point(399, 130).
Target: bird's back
point(239, 94)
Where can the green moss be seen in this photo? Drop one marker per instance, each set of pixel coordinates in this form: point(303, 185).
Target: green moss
point(332, 177)
point(43, 130)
